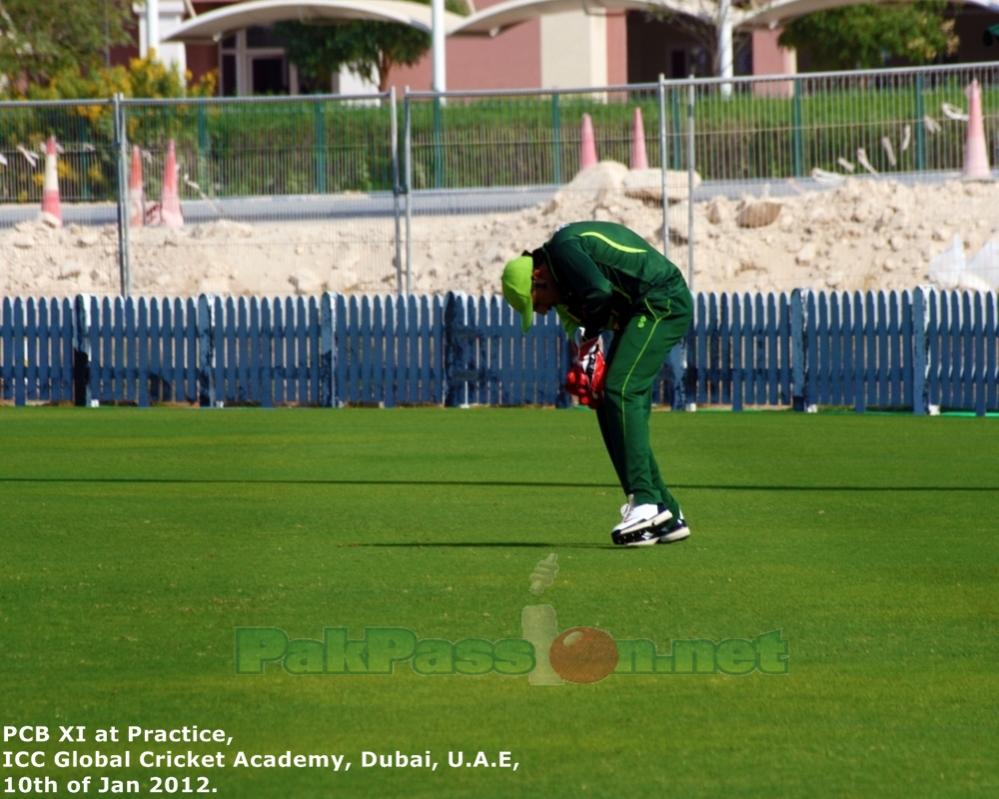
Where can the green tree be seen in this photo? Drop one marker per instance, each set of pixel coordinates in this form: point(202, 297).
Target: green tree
point(40, 39)
point(370, 49)
point(143, 77)
point(865, 36)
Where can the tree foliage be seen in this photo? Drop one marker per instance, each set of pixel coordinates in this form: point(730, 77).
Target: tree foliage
point(866, 36)
point(143, 77)
point(40, 39)
point(370, 49)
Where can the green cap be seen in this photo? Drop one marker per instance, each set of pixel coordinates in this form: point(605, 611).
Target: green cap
point(517, 288)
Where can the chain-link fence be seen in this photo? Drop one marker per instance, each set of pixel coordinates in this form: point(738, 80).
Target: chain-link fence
point(839, 180)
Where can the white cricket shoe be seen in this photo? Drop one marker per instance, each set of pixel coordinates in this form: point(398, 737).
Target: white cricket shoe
point(639, 524)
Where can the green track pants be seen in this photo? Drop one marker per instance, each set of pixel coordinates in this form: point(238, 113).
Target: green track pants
point(634, 360)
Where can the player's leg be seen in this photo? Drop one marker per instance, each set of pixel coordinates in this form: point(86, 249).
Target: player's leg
point(627, 401)
point(606, 432)
point(642, 348)
point(611, 445)
point(676, 528)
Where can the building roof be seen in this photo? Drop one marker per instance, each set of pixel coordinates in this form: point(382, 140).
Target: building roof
point(490, 21)
point(495, 19)
point(212, 26)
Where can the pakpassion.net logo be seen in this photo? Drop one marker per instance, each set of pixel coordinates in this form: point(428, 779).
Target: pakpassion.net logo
point(579, 654)
point(543, 654)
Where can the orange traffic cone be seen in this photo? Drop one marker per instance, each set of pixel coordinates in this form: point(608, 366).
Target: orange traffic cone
point(639, 160)
point(50, 189)
point(170, 200)
point(136, 200)
point(587, 145)
point(976, 157)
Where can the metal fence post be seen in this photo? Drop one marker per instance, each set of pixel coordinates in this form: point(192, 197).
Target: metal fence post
point(661, 90)
point(82, 395)
point(396, 188)
point(407, 126)
point(204, 148)
point(438, 144)
point(918, 124)
point(327, 351)
point(206, 351)
point(917, 361)
point(691, 99)
point(677, 136)
point(319, 147)
point(797, 145)
point(121, 142)
point(557, 138)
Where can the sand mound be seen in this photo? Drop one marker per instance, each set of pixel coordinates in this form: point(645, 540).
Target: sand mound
point(860, 234)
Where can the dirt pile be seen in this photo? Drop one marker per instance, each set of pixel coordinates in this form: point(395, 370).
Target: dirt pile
point(860, 234)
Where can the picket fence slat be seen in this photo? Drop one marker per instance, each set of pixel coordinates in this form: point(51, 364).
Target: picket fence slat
point(952, 358)
point(38, 358)
point(857, 345)
point(406, 356)
point(161, 318)
point(979, 347)
point(991, 354)
point(17, 353)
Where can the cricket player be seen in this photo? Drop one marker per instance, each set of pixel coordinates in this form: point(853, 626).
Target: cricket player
point(602, 276)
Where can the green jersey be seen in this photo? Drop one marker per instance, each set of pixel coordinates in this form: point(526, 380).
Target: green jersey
point(606, 273)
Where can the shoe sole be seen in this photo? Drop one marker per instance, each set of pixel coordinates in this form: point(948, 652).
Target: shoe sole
point(645, 542)
point(656, 521)
point(682, 534)
point(673, 537)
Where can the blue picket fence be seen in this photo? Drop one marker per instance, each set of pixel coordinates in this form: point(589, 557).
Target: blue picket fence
point(908, 350)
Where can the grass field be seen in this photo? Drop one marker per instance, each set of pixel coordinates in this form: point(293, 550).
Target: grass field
point(136, 542)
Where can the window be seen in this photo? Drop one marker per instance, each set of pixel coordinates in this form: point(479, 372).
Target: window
point(678, 64)
point(227, 79)
point(268, 75)
point(251, 62)
point(261, 37)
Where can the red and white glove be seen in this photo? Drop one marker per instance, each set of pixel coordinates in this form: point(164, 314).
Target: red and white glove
point(587, 371)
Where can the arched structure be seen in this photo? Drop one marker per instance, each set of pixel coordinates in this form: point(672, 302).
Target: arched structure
point(494, 20)
point(212, 26)
point(725, 16)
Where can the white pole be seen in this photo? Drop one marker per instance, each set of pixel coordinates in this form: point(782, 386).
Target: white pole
point(663, 162)
point(691, 99)
point(725, 56)
point(437, 40)
point(152, 26)
point(407, 145)
point(394, 127)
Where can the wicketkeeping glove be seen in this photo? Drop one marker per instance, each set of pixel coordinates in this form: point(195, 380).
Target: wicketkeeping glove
point(586, 373)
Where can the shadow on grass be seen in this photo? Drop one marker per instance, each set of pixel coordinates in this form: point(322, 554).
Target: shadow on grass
point(478, 544)
point(477, 484)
